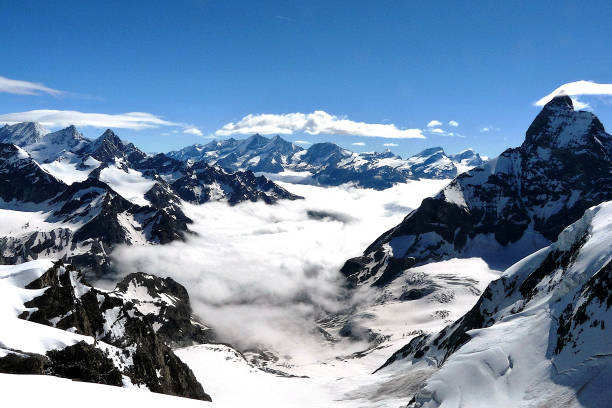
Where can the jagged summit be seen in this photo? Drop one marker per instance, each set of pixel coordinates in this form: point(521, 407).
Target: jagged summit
point(560, 102)
point(558, 125)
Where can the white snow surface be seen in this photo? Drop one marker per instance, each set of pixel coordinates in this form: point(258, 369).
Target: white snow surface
point(67, 169)
point(130, 184)
point(17, 390)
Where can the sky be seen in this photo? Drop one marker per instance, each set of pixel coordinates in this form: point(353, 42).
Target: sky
point(168, 74)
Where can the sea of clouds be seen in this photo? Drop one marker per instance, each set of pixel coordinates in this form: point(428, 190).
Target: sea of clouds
point(261, 274)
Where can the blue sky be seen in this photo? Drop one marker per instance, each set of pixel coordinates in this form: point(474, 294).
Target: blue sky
point(203, 64)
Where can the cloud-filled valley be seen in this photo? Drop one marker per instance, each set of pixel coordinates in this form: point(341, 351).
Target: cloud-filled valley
point(260, 275)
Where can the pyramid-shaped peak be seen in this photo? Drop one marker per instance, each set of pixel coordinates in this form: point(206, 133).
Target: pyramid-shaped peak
point(560, 101)
point(558, 125)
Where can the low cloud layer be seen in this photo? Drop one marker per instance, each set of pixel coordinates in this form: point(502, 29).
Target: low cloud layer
point(577, 88)
point(63, 118)
point(17, 87)
point(315, 123)
point(260, 274)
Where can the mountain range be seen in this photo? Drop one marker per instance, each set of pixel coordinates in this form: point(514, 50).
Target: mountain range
point(536, 334)
point(93, 195)
point(327, 163)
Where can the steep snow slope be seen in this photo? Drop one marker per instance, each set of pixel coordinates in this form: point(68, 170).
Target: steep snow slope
point(538, 336)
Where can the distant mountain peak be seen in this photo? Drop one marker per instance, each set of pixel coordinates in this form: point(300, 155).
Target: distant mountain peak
point(22, 134)
point(430, 151)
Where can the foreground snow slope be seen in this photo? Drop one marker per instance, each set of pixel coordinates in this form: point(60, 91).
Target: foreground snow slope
point(60, 392)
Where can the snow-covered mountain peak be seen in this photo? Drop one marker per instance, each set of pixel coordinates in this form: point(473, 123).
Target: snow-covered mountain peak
point(22, 134)
point(109, 148)
point(430, 152)
point(558, 125)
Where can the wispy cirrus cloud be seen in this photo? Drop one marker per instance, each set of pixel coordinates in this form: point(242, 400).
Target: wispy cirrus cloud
point(62, 118)
point(18, 87)
point(577, 88)
point(453, 123)
point(358, 144)
point(390, 144)
point(315, 123)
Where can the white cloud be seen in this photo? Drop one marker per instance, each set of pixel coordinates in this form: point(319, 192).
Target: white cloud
point(438, 131)
point(390, 144)
point(302, 142)
point(489, 128)
point(358, 144)
point(579, 104)
point(192, 131)
point(577, 88)
point(61, 118)
point(15, 86)
point(434, 123)
point(453, 123)
point(263, 278)
point(317, 122)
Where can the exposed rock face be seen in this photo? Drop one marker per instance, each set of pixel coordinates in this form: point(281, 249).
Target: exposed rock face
point(174, 320)
point(510, 206)
point(108, 148)
point(551, 309)
point(202, 183)
point(22, 179)
point(139, 319)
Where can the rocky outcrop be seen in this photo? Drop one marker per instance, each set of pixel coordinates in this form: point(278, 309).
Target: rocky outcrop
point(133, 327)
